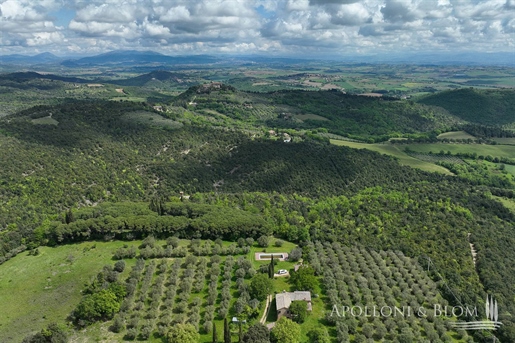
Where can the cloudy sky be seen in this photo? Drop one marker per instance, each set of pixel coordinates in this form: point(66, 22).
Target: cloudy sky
point(279, 27)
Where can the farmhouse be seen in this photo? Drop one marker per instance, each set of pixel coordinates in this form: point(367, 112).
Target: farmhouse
point(284, 300)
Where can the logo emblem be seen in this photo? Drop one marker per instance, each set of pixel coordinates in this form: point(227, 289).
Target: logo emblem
point(492, 315)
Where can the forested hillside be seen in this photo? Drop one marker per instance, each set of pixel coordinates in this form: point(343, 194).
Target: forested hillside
point(366, 118)
point(488, 107)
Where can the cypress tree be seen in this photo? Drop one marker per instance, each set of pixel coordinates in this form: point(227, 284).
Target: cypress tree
point(271, 268)
point(215, 335)
point(69, 217)
point(227, 332)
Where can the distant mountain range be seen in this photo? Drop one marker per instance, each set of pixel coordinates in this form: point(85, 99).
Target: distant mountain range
point(43, 58)
point(156, 60)
point(132, 57)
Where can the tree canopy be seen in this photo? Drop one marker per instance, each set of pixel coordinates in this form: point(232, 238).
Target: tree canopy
point(182, 333)
point(285, 331)
point(260, 286)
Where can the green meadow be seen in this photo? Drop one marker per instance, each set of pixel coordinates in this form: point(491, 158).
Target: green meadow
point(456, 135)
point(479, 149)
point(38, 290)
point(395, 151)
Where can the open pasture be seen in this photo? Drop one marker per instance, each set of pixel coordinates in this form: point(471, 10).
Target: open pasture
point(480, 149)
point(504, 141)
point(45, 121)
point(153, 119)
point(310, 117)
point(394, 150)
point(456, 135)
point(38, 290)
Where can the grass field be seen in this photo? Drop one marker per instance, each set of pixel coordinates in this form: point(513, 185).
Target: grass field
point(505, 141)
point(153, 119)
point(310, 116)
point(393, 150)
point(129, 98)
point(481, 149)
point(38, 290)
point(45, 121)
point(456, 135)
point(508, 203)
point(510, 169)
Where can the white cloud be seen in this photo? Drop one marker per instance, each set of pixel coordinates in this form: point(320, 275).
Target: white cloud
point(351, 15)
point(288, 26)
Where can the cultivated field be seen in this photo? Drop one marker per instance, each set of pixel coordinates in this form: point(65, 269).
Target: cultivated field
point(456, 135)
point(480, 149)
point(358, 278)
point(505, 141)
point(395, 150)
point(200, 285)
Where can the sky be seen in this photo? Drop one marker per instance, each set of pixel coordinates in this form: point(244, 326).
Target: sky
point(271, 27)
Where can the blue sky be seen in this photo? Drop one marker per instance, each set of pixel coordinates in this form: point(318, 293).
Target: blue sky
point(273, 27)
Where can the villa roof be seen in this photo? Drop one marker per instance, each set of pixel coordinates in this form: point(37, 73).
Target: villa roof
point(283, 300)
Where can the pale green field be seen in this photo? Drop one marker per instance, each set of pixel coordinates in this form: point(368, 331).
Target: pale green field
point(129, 98)
point(481, 149)
point(456, 135)
point(508, 203)
point(394, 150)
point(510, 169)
point(506, 141)
point(45, 121)
point(153, 119)
point(38, 290)
point(310, 116)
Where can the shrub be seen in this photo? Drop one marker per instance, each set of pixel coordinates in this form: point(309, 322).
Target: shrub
point(119, 266)
point(295, 254)
point(264, 241)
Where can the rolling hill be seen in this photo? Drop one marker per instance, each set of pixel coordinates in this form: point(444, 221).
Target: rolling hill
point(487, 107)
point(27, 76)
point(158, 78)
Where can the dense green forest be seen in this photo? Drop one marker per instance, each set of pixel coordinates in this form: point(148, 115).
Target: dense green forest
point(361, 115)
point(487, 107)
point(94, 170)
